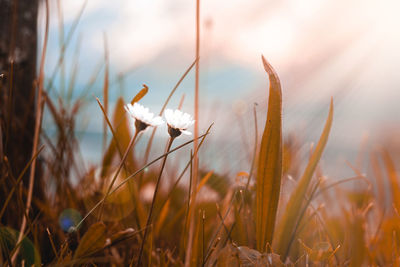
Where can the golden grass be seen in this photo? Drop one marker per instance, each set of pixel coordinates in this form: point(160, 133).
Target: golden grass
point(321, 223)
point(239, 228)
point(292, 213)
point(269, 170)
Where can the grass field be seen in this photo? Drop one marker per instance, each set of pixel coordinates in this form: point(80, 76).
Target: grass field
point(129, 209)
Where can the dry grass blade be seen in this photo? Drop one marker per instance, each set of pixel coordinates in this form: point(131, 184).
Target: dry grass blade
point(181, 101)
point(64, 46)
point(269, 169)
point(93, 240)
point(141, 94)
point(327, 187)
point(9, 104)
point(91, 80)
point(303, 211)
point(73, 73)
point(380, 181)
point(110, 126)
point(203, 181)
point(105, 89)
point(177, 85)
point(19, 179)
point(357, 240)
point(122, 134)
point(393, 179)
point(293, 208)
point(192, 203)
point(162, 217)
point(117, 132)
point(228, 233)
point(119, 119)
point(214, 237)
point(53, 246)
point(122, 236)
point(255, 147)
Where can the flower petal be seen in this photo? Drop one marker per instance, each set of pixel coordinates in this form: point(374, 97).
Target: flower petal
point(157, 121)
point(186, 132)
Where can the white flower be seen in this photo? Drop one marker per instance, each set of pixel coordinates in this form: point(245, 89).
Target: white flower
point(143, 117)
point(178, 122)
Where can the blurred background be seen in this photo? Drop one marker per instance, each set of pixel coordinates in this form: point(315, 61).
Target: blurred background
point(345, 49)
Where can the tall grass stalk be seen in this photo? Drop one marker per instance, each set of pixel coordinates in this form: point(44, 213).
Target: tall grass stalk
point(192, 219)
point(105, 88)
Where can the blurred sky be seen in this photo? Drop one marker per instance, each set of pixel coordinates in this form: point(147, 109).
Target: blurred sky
point(348, 49)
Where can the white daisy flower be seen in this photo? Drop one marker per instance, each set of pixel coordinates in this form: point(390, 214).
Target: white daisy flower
point(178, 122)
point(143, 117)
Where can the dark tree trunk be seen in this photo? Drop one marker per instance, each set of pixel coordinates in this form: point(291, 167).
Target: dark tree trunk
point(18, 49)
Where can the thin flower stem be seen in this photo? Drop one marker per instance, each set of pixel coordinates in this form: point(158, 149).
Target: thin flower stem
point(118, 170)
point(152, 203)
point(149, 144)
point(127, 179)
point(189, 164)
